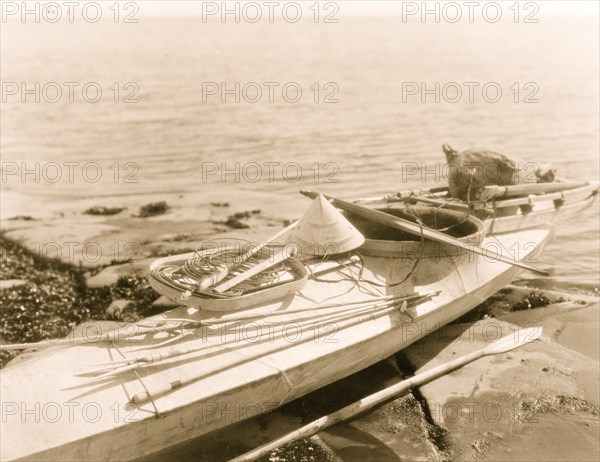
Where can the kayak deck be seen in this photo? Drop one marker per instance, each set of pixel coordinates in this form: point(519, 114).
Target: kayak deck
point(244, 366)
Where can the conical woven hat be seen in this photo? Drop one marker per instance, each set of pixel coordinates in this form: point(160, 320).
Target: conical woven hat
point(324, 230)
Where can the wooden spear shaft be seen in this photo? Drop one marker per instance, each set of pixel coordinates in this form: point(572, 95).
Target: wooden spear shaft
point(116, 335)
point(308, 325)
point(353, 319)
point(503, 345)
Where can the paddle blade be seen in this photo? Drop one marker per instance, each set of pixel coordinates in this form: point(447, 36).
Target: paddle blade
point(518, 338)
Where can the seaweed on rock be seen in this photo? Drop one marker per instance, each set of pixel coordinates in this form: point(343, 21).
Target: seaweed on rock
point(55, 298)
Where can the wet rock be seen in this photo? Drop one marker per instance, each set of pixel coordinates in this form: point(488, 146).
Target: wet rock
point(550, 380)
point(117, 307)
point(11, 283)
point(106, 277)
point(64, 233)
point(164, 303)
point(111, 274)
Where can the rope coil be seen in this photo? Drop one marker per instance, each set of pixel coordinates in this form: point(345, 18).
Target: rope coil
point(188, 275)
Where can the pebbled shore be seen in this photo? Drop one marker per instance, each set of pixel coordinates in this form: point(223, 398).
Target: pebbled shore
point(537, 403)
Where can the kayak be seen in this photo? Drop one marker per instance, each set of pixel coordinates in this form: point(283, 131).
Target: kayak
point(115, 391)
point(506, 208)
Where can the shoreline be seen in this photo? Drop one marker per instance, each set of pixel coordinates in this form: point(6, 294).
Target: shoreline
point(48, 297)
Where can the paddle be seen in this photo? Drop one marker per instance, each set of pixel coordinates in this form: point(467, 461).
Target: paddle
point(504, 344)
point(413, 228)
point(217, 277)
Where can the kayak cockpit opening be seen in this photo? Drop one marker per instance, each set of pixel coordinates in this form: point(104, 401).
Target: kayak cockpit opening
point(454, 224)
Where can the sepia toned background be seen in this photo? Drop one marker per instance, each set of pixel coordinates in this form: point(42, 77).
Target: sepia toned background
point(378, 99)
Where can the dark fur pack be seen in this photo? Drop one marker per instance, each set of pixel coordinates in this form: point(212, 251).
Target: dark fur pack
point(471, 170)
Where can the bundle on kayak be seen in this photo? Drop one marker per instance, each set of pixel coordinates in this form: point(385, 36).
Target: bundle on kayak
point(470, 171)
point(505, 194)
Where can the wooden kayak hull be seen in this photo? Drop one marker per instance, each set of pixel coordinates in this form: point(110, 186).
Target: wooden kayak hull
point(51, 414)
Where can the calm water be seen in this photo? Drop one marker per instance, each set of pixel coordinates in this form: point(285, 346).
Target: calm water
point(365, 139)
